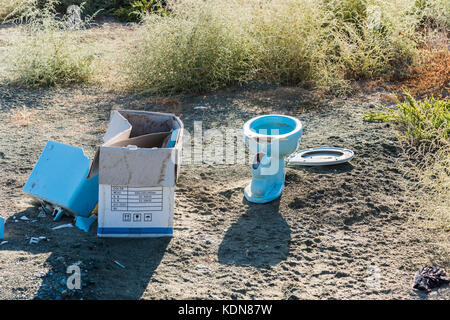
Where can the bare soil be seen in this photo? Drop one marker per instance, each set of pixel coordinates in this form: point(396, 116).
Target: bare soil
point(333, 231)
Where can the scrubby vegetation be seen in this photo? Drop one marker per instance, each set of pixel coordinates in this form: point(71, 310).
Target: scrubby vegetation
point(134, 11)
point(193, 46)
point(7, 7)
point(205, 45)
point(426, 121)
point(47, 53)
point(426, 126)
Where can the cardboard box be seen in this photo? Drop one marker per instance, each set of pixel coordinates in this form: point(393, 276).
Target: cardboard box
point(138, 171)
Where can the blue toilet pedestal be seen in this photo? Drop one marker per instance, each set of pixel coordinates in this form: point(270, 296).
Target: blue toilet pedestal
point(271, 138)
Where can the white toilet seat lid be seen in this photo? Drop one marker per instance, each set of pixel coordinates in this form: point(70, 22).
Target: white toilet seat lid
point(321, 156)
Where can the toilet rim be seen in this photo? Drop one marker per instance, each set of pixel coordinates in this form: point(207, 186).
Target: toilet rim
point(256, 136)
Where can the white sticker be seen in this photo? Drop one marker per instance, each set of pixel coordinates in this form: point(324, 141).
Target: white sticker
point(136, 200)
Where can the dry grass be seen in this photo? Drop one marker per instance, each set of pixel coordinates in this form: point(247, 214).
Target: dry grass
point(431, 192)
point(425, 126)
point(47, 53)
point(203, 46)
point(435, 187)
point(8, 6)
point(430, 75)
point(22, 117)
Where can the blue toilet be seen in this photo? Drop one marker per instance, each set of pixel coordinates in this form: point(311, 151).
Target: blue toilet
point(271, 138)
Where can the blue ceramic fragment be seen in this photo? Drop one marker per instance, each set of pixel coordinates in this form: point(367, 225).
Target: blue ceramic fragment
point(60, 178)
point(2, 228)
point(84, 223)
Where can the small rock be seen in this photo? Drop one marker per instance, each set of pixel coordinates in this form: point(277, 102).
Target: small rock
point(202, 267)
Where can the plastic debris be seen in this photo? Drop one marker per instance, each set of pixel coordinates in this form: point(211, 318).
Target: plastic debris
point(173, 138)
point(67, 225)
point(60, 178)
point(3, 242)
point(58, 213)
point(47, 208)
point(41, 214)
point(200, 107)
point(2, 228)
point(202, 268)
point(36, 240)
point(24, 218)
point(119, 264)
point(83, 223)
point(430, 277)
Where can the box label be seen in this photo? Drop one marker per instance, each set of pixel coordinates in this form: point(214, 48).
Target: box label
point(135, 211)
point(136, 199)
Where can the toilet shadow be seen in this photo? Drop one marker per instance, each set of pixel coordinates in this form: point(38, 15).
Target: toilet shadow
point(100, 276)
point(259, 238)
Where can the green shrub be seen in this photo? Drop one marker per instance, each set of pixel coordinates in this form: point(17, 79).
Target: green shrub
point(138, 8)
point(127, 15)
point(151, 6)
point(426, 121)
point(47, 53)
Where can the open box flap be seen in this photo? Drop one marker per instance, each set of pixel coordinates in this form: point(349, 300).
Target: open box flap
point(146, 130)
point(118, 125)
point(148, 141)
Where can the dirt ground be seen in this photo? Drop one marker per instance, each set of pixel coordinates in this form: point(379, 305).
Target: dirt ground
point(339, 232)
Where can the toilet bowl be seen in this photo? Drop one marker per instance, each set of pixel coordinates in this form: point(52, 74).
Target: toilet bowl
point(271, 138)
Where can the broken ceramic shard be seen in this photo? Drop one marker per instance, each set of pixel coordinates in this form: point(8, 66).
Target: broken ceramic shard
point(67, 225)
point(119, 264)
point(84, 223)
point(173, 138)
point(58, 213)
point(60, 178)
point(2, 228)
